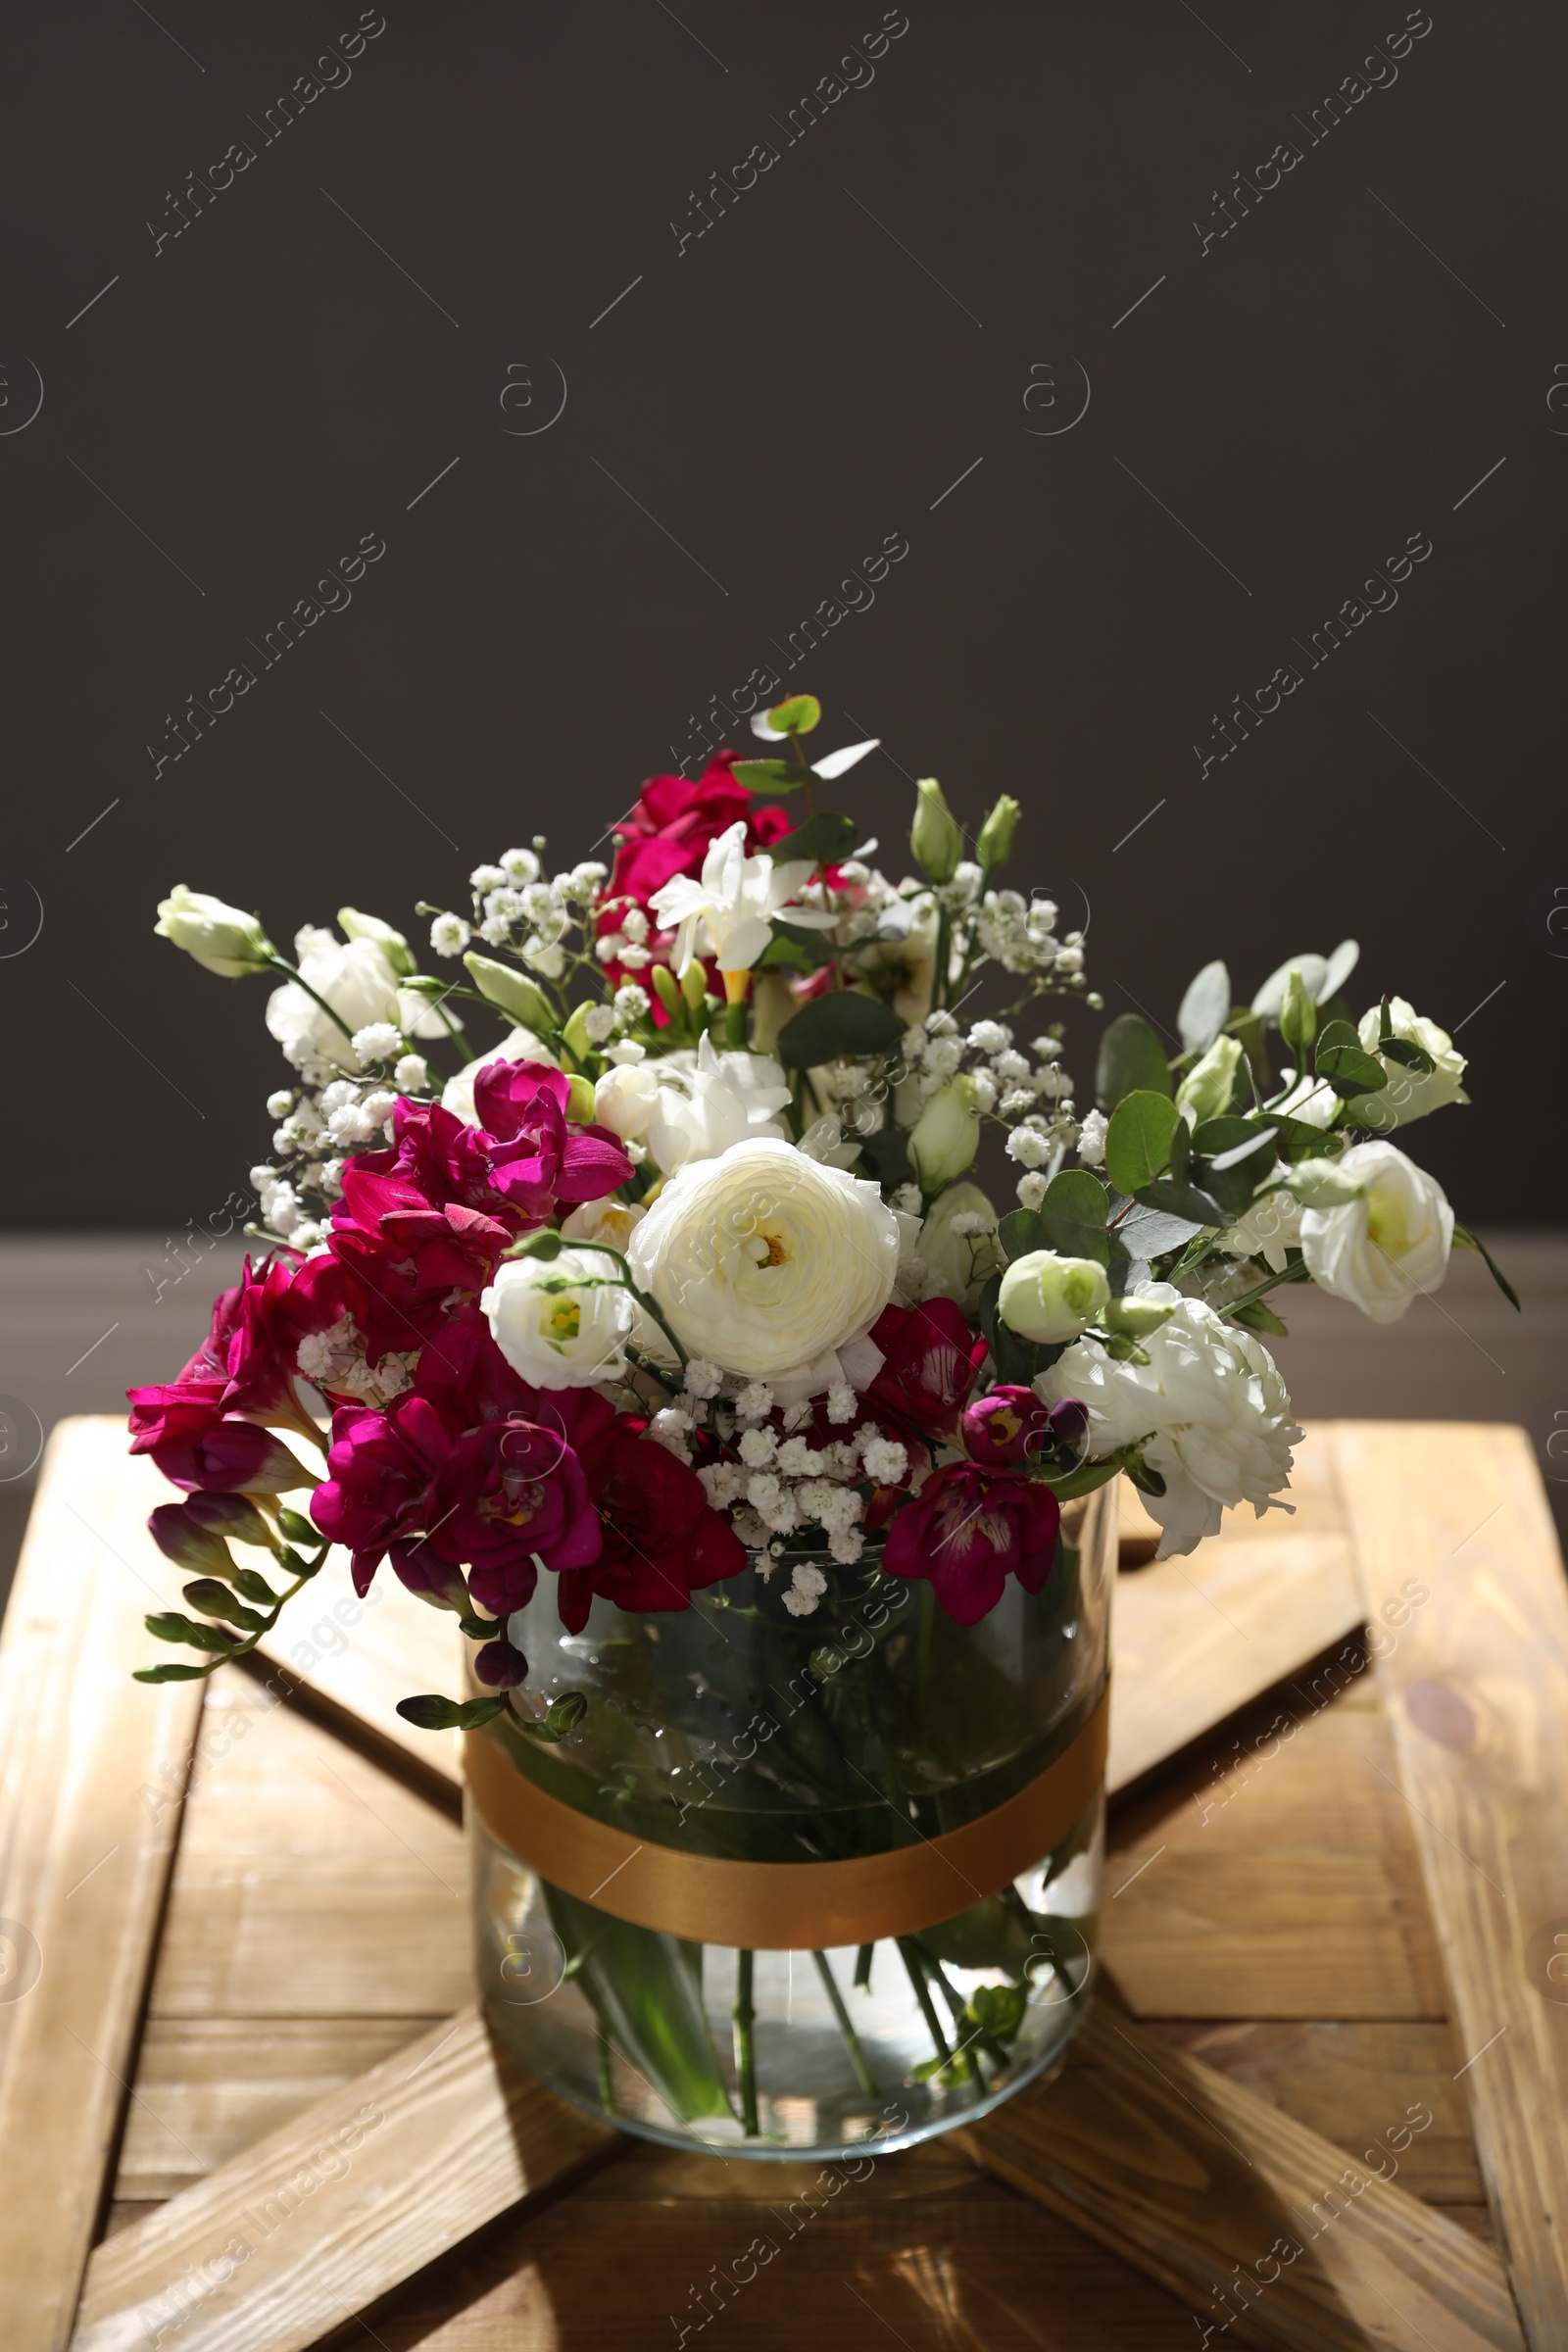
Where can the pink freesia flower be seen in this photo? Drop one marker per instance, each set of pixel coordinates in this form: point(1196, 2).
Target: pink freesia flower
point(507, 1492)
point(409, 1254)
point(243, 1369)
point(662, 1540)
point(933, 1359)
point(229, 1458)
point(967, 1531)
point(1011, 1424)
point(380, 1469)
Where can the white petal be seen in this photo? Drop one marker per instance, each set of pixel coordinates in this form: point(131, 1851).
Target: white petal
point(839, 763)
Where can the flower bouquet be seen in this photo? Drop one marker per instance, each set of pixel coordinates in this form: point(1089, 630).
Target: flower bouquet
point(671, 1345)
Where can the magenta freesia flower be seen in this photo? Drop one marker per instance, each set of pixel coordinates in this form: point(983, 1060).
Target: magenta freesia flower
point(1009, 1424)
point(381, 1465)
point(507, 1491)
point(967, 1531)
point(229, 1458)
point(244, 1369)
point(408, 1254)
point(933, 1359)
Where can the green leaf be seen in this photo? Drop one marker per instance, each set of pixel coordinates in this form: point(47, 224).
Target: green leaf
point(1074, 1216)
point(1148, 1481)
point(1205, 1009)
point(1181, 1149)
point(1409, 1057)
point(839, 1023)
point(1185, 1200)
point(169, 1674)
point(475, 1711)
point(1019, 1232)
point(797, 714)
point(997, 2010)
point(1131, 1058)
point(768, 775)
point(1468, 1240)
point(1149, 1233)
point(824, 839)
point(646, 1990)
point(793, 946)
point(169, 1626)
point(1138, 1137)
point(887, 1153)
point(1257, 1315)
point(1298, 1139)
point(1339, 1059)
point(214, 1599)
point(1214, 1138)
point(431, 1713)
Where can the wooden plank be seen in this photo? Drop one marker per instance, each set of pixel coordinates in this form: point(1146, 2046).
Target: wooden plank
point(1196, 1638)
point(1275, 1877)
point(85, 1858)
point(356, 1659)
point(310, 1880)
point(1204, 2186)
point(1476, 1678)
point(385, 2171)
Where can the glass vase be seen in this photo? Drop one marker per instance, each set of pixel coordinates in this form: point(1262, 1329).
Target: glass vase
point(952, 1774)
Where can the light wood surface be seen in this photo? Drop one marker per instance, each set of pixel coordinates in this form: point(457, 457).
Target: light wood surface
point(91, 1769)
point(1198, 2181)
point(1196, 1638)
point(1265, 1916)
point(1476, 1678)
point(324, 2216)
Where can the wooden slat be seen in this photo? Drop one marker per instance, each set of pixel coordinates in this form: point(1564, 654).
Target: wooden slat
point(1191, 2177)
point(358, 1658)
point(1276, 1876)
point(87, 1757)
point(320, 2218)
point(1196, 1639)
point(1476, 1678)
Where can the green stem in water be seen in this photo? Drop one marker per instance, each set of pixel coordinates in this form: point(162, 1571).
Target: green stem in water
point(862, 1967)
point(851, 2040)
point(744, 2016)
point(916, 1973)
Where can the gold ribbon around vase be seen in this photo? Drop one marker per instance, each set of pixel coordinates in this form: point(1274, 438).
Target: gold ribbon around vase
point(786, 1906)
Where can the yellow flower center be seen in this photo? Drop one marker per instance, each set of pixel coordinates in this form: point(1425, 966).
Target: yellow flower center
point(562, 1321)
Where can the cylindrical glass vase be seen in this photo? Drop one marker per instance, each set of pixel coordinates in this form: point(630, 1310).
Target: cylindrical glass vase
point(795, 1884)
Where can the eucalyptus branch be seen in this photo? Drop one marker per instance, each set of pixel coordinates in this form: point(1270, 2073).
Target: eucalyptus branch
point(1294, 1273)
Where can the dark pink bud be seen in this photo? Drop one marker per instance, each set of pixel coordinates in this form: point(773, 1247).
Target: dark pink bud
point(231, 1515)
point(180, 1538)
point(231, 1458)
point(500, 1667)
point(1005, 1427)
point(1070, 1423)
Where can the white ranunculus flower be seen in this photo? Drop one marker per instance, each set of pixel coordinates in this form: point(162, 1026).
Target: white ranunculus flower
point(560, 1321)
point(1392, 1241)
point(1210, 1401)
point(705, 1102)
point(221, 938)
point(727, 912)
point(1409, 1094)
point(768, 1263)
point(359, 985)
point(519, 1045)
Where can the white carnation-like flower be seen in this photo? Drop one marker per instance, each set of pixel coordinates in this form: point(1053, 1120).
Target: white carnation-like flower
point(560, 1321)
point(1210, 1401)
point(770, 1263)
point(1392, 1241)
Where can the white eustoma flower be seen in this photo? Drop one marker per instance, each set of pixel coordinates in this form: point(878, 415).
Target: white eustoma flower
point(773, 1265)
point(1270, 1227)
point(728, 911)
point(606, 1220)
point(221, 938)
point(519, 1045)
point(706, 1102)
point(1210, 1401)
point(1392, 1241)
point(560, 1321)
point(354, 978)
point(1409, 1094)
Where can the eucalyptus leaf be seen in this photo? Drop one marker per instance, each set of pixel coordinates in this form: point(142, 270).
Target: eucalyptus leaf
point(1272, 996)
point(794, 946)
point(1137, 1138)
point(1150, 1232)
point(768, 775)
point(838, 1023)
point(1341, 1059)
point(1184, 1201)
point(823, 840)
point(1072, 1215)
point(1205, 1009)
point(1131, 1058)
point(1020, 1232)
point(797, 714)
point(1409, 1057)
point(1341, 964)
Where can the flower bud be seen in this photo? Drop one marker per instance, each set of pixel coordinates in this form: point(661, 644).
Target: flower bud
point(1298, 1017)
point(234, 1516)
point(1205, 1091)
point(392, 944)
point(947, 1135)
point(512, 992)
point(934, 837)
point(222, 939)
point(1001, 1429)
point(181, 1539)
point(1135, 1318)
point(1050, 1299)
point(500, 1666)
point(231, 1458)
point(994, 845)
point(580, 1101)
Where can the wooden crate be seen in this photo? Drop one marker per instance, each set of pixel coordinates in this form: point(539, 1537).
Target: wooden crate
point(245, 2103)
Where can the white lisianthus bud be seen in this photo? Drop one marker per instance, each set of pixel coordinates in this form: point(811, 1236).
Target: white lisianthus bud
point(1205, 1091)
point(392, 944)
point(1050, 1299)
point(222, 939)
point(959, 1243)
point(560, 1321)
point(1392, 1241)
point(946, 1137)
